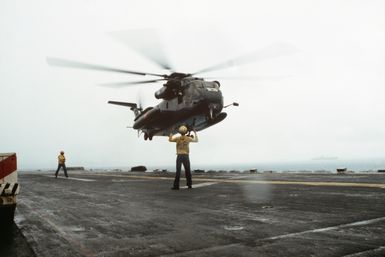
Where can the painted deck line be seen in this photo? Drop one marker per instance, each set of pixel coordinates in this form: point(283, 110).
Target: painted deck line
point(348, 225)
point(305, 183)
point(241, 177)
point(127, 180)
point(205, 184)
point(367, 252)
point(72, 178)
point(269, 182)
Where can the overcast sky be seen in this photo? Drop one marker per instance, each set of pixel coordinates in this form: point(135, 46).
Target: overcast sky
point(325, 99)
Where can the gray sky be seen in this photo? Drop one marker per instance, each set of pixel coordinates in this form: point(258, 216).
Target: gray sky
point(326, 99)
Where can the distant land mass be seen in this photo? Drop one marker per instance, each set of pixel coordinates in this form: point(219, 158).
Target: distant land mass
point(325, 158)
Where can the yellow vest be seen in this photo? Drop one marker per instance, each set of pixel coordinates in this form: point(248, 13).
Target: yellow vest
point(61, 159)
point(182, 143)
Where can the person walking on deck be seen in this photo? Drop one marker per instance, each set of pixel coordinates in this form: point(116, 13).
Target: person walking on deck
point(61, 164)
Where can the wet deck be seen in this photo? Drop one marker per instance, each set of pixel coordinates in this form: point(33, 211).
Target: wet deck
point(133, 214)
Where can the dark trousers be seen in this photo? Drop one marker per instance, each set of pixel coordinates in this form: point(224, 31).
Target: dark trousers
point(185, 160)
point(64, 168)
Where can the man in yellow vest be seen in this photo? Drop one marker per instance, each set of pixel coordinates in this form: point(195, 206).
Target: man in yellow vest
point(61, 163)
point(182, 151)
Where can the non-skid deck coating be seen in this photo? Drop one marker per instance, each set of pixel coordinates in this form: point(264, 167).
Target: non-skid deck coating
point(133, 214)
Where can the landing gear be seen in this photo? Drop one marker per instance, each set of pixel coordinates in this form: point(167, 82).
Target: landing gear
point(221, 116)
point(147, 136)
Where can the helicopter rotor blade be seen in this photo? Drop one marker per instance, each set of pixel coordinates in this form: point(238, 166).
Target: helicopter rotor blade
point(248, 77)
point(80, 65)
point(146, 42)
point(131, 83)
point(268, 52)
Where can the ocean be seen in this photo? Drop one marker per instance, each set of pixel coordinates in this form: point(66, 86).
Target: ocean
point(369, 165)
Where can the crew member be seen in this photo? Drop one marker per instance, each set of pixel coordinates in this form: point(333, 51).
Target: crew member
point(182, 151)
point(61, 163)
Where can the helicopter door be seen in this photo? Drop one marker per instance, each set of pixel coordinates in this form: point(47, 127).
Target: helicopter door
point(180, 98)
point(188, 94)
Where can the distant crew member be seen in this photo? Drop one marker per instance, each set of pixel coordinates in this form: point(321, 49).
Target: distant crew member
point(61, 163)
point(182, 151)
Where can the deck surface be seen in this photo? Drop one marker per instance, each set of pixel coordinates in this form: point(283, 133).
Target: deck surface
point(136, 214)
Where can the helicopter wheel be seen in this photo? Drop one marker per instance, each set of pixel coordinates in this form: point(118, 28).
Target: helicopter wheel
point(145, 136)
point(150, 137)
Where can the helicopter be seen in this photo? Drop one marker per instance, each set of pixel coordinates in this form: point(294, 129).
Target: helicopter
point(186, 99)
point(190, 101)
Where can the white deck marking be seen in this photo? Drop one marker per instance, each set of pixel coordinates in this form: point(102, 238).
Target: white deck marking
point(367, 252)
point(128, 180)
point(71, 178)
point(250, 181)
point(201, 185)
point(233, 228)
point(241, 177)
point(354, 224)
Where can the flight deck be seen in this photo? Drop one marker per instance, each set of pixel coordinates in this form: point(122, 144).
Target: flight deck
point(225, 214)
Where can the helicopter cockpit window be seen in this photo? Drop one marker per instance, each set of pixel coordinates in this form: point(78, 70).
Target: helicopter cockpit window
point(200, 85)
point(216, 84)
point(212, 86)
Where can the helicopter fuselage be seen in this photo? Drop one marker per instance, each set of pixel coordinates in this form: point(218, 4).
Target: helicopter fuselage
point(194, 102)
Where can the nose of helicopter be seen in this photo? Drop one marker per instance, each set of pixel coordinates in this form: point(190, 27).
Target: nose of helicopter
point(214, 101)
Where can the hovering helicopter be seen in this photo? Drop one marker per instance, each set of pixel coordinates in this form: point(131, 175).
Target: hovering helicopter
point(186, 99)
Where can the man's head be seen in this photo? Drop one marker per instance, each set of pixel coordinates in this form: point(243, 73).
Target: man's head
point(61, 152)
point(183, 130)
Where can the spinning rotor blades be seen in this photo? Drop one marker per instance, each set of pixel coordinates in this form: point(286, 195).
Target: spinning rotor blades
point(87, 66)
point(131, 83)
point(146, 42)
point(253, 78)
point(268, 52)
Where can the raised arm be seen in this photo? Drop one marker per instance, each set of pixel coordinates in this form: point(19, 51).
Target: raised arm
point(195, 139)
point(171, 138)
